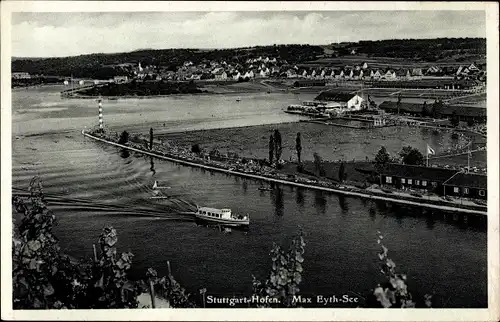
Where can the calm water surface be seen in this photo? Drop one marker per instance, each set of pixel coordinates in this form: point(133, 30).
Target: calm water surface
point(89, 185)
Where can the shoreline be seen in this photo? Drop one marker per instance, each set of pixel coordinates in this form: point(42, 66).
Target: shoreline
point(374, 196)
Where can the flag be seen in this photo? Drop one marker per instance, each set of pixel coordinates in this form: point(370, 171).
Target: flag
point(430, 150)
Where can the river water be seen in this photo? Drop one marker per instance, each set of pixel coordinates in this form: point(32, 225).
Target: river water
point(90, 185)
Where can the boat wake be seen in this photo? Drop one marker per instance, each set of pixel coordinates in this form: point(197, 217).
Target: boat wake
point(175, 210)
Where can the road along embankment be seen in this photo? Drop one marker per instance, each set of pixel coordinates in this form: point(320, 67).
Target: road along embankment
point(362, 194)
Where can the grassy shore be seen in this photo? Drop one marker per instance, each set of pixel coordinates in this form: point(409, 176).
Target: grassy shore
point(260, 170)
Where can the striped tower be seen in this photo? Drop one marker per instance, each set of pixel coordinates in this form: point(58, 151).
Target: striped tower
point(100, 114)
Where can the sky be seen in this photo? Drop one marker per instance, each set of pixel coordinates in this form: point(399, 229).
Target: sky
point(37, 34)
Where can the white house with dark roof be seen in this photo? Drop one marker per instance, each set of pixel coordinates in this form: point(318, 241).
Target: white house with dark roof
point(390, 75)
point(355, 103)
point(377, 74)
point(291, 73)
point(221, 76)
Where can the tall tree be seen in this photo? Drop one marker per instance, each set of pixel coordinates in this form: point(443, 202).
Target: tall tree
point(436, 108)
point(151, 138)
point(298, 146)
point(381, 158)
point(342, 172)
point(398, 104)
point(123, 138)
point(455, 121)
point(317, 163)
point(411, 156)
point(271, 149)
point(277, 145)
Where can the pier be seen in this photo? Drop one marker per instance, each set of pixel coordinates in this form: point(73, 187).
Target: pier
point(412, 201)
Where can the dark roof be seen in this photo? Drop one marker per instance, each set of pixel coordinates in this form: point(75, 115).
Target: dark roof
point(417, 172)
point(404, 107)
point(334, 97)
point(464, 110)
point(468, 180)
point(446, 110)
point(309, 82)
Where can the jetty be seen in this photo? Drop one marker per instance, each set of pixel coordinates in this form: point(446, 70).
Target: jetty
point(412, 201)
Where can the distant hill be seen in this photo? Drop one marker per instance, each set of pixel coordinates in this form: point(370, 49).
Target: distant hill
point(428, 50)
point(102, 66)
point(98, 65)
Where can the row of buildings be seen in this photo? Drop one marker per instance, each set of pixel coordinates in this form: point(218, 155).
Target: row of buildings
point(463, 113)
point(445, 182)
point(362, 72)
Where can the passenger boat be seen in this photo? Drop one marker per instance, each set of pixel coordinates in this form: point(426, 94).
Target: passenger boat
point(223, 217)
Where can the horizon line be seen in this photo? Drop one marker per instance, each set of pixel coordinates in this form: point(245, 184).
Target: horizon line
point(234, 48)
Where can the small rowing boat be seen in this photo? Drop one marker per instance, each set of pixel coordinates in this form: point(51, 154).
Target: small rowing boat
point(155, 186)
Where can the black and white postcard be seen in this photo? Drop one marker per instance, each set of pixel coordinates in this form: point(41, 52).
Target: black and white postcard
point(250, 161)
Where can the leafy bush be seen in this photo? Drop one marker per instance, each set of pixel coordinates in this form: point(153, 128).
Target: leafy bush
point(123, 138)
point(393, 292)
point(195, 148)
point(411, 156)
point(44, 278)
point(285, 276)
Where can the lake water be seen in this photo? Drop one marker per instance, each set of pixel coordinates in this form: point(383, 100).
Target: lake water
point(90, 185)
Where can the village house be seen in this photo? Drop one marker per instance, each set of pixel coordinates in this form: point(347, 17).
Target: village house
point(356, 103)
point(417, 73)
point(389, 75)
point(221, 75)
point(291, 73)
point(21, 75)
point(401, 74)
point(358, 74)
point(376, 75)
point(236, 75)
point(473, 68)
point(249, 74)
point(348, 74)
point(120, 79)
point(445, 182)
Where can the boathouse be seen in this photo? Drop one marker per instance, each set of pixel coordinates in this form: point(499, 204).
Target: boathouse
point(467, 185)
point(446, 182)
point(464, 113)
point(404, 176)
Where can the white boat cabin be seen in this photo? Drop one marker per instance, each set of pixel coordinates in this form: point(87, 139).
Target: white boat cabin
point(215, 213)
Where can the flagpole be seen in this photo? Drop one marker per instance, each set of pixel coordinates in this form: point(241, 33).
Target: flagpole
point(427, 155)
point(468, 156)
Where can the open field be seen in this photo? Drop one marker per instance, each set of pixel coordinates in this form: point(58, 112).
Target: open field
point(330, 142)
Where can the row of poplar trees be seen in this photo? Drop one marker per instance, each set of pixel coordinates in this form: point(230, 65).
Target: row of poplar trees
point(276, 147)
